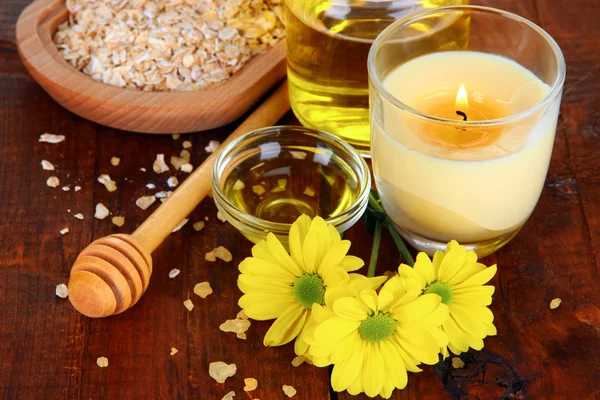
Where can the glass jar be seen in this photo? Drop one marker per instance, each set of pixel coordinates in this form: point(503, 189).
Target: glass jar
point(327, 47)
point(462, 140)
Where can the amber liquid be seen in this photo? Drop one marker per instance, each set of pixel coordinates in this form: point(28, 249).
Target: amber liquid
point(327, 48)
point(282, 189)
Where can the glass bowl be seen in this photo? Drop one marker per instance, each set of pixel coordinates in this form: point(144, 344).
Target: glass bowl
point(263, 181)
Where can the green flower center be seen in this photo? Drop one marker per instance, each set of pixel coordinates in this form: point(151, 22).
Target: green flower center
point(377, 327)
point(309, 289)
point(442, 289)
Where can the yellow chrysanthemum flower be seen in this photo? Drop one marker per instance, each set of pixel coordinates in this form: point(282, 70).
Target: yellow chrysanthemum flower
point(284, 287)
point(459, 280)
point(374, 339)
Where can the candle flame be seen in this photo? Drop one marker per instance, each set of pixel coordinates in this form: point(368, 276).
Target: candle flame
point(462, 100)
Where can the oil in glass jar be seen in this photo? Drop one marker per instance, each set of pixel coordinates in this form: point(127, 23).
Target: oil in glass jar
point(283, 188)
point(328, 44)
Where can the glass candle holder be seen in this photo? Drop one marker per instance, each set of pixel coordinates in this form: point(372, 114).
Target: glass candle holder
point(462, 128)
point(328, 44)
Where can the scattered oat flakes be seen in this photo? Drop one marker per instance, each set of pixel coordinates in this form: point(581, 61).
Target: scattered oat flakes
point(174, 351)
point(187, 167)
point(309, 192)
point(101, 211)
point(66, 188)
point(181, 224)
point(206, 218)
point(64, 231)
point(47, 165)
point(289, 390)
point(188, 304)
point(118, 221)
point(238, 185)
point(298, 155)
point(177, 162)
point(219, 252)
point(102, 362)
point(78, 216)
point(203, 289)
point(555, 303)
point(159, 166)
point(143, 169)
point(176, 136)
point(77, 188)
point(186, 144)
point(251, 384)
point(457, 363)
point(258, 189)
point(150, 185)
point(220, 371)
point(229, 396)
point(198, 226)
point(241, 315)
point(110, 185)
point(220, 217)
point(297, 361)
point(62, 291)
point(53, 182)
point(145, 201)
point(237, 326)
point(172, 182)
point(213, 145)
point(115, 161)
point(50, 138)
point(185, 155)
point(173, 273)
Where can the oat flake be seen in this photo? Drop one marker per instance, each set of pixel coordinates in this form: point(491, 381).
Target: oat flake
point(203, 289)
point(62, 291)
point(47, 165)
point(173, 273)
point(102, 362)
point(289, 390)
point(220, 371)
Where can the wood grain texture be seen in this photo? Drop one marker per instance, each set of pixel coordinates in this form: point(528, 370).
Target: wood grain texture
point(49, 351)
point(135, 110)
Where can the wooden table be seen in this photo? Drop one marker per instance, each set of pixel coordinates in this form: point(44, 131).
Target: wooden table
point(49, 351)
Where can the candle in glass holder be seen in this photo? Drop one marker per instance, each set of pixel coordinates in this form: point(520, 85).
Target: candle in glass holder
point(461, 143)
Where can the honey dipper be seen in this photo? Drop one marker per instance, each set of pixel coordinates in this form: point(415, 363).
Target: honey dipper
point(112, 273)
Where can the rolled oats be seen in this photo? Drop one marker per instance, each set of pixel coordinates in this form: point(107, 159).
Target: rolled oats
point(47, 165)
point(53, 182)
point(166, 45)
point(101, 211)
point(62, 291)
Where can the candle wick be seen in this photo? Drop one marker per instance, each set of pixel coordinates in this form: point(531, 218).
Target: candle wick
point(462, 114)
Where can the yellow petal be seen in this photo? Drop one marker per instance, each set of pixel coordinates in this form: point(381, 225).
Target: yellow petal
point(369, 296)
point(424, 267)
point(356, 387)
point(354, 286)
point(264, 306)
point(377, 281)
point(351, 308)
point(474, 292)
point(333, 330)
point(480, 278)
point(373, 370)
point(438, 317)
point(309, 251)
point(411, 277)
point(335, 277)
point(453, 260)
point(333, 256)
point(286, 327)
point(457, 338)
point(251, 283)
point(383, 300)
point(345, 372)
point(409, 362)
point(394, 365)
point(351, 263)
point(345, 347)
point(298, 232)
point(259, 267)
point(417, 309)
point(418, 341)
point(280, 254)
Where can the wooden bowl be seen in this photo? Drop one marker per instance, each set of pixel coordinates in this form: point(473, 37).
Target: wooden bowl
point(135, 110)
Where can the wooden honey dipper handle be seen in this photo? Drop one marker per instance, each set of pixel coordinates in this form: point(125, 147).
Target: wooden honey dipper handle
point(112, 273)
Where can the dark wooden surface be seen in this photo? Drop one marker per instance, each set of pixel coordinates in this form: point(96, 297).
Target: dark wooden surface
point(48, 351)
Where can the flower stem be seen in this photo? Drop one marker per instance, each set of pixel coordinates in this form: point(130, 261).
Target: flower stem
point(375, 250)
point(400, 243)
point(392, 229)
